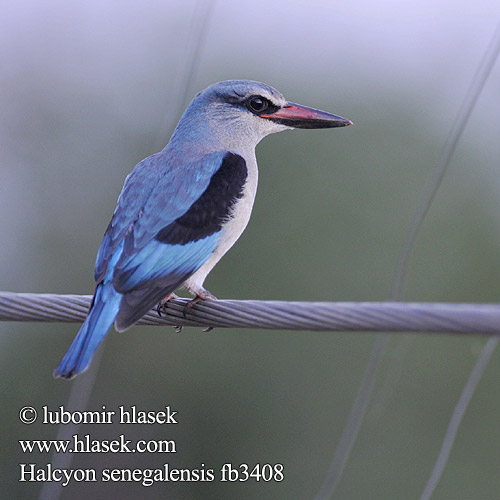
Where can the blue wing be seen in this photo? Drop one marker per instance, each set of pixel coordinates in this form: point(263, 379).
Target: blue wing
point(165, 226)
point(157, 192)
point(174, 231)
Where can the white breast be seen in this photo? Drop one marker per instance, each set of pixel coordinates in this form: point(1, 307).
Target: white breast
point(233, 228)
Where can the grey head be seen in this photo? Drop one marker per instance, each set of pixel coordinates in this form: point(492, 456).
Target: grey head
point(237, 114)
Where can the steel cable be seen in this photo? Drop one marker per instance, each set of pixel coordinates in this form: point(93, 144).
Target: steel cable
point(273, 315)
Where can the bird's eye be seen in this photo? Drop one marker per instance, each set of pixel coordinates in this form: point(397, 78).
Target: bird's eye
point(257, 104)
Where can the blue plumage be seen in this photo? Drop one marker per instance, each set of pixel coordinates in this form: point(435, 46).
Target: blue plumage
point(134, 270)
point(100, 319)
point(181, 209)
point(156, 193)
point(102, 314)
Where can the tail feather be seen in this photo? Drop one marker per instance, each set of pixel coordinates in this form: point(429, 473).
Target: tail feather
point(103, 311)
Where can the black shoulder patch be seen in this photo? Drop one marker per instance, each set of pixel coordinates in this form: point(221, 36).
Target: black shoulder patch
point(207, 214)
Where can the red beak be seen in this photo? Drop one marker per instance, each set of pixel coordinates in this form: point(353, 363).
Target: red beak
point(297, 116)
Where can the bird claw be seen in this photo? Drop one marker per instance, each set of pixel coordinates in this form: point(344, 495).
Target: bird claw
point(201, 295)
point(164, 302)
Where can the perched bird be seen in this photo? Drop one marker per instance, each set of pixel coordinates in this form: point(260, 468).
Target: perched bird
point(183, 208)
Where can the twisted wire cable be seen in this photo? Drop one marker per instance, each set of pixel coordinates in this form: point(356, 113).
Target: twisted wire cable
point(273, 314)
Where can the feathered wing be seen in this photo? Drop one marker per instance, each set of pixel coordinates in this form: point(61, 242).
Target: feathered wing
point(157, 192)
point(165, 226)
point(148, 272)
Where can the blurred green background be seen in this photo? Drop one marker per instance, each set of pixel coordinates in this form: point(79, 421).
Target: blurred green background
point(89, 88)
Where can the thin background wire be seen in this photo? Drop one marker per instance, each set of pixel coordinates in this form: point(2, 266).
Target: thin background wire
point(360, 405)
point(359, 408)
point(82, 389)
point(472, 97)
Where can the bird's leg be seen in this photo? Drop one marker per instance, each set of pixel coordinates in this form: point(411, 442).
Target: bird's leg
point(201, 294)
point(163, 305)
point(163, 302)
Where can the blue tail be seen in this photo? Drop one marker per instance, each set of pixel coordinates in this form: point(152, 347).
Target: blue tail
point(101, 316)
